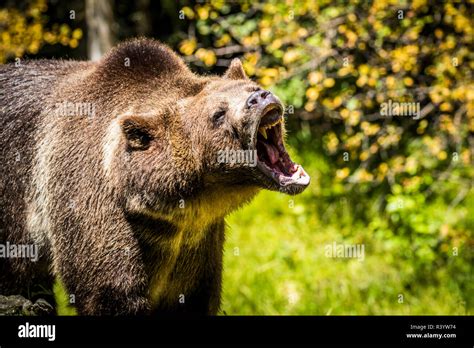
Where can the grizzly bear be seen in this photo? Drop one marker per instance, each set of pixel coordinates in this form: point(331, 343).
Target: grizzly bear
point(121, 172)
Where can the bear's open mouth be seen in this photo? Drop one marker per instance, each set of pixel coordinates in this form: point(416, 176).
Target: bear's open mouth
point(273, 160)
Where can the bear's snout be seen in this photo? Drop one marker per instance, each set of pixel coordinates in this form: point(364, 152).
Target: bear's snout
point(263, 101)
point(257, 97)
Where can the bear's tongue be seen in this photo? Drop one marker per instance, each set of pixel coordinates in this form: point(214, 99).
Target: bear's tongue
point(272, 152)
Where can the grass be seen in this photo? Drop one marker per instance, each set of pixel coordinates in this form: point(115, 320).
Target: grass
point(275, 264)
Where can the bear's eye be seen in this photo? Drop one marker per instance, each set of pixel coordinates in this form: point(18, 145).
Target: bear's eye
point(218, 116)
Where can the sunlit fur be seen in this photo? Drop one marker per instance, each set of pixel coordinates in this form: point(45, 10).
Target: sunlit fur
point(127, 229)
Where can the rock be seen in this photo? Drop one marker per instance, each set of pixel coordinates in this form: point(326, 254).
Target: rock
point(13, 305)
point(18, 305)
point(42, 307)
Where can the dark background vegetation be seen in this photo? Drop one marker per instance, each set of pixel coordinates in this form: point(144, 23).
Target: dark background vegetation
point(400, 187)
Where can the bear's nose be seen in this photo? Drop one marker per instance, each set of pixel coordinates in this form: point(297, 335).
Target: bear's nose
point(257, 97)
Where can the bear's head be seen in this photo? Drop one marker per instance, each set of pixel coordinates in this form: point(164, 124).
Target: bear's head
point(185, 136)
point(241, 132)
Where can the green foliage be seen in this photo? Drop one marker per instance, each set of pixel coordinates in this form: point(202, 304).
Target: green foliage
point(63, 304)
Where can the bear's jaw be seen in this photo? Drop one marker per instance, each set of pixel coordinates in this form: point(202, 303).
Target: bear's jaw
point(272, 158)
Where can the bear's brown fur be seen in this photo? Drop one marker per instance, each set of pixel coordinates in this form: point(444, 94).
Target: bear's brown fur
point(122, 192)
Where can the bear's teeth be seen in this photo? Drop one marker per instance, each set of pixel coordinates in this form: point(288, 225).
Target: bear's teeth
point(273, 125)
point(263, 129)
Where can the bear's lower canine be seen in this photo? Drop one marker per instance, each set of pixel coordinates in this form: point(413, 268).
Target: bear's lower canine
point(114, 171)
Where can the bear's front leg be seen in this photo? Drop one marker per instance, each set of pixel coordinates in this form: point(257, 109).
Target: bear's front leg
point(106, 291)
point(103, 279)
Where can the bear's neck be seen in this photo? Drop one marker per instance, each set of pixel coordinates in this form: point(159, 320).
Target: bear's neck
point(188, 241)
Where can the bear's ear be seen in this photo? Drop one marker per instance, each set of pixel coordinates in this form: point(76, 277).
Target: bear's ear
point(138, 132)
point(235, 71)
